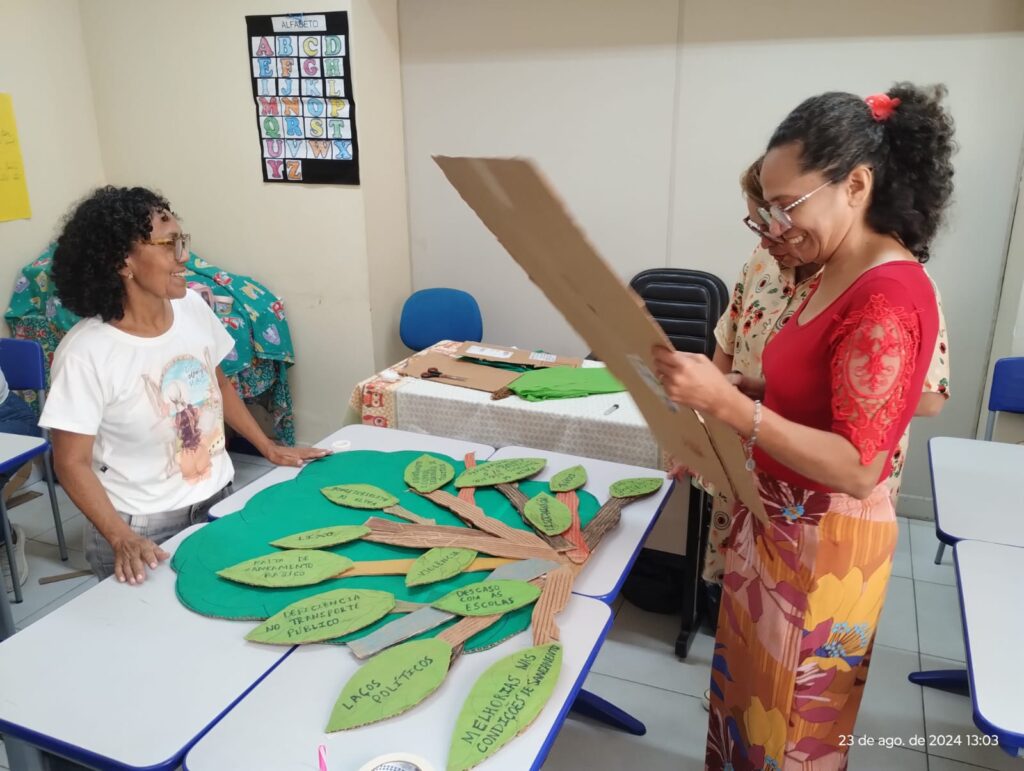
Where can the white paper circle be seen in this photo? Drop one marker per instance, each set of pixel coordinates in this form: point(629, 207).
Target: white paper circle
point(397, 757)
point(341, 445)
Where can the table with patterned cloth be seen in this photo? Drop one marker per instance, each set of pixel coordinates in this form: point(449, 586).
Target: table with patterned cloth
point(256, 321)
point(605, 426)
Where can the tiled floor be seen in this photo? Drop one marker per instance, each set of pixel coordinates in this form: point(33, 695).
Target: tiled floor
point(637, 668)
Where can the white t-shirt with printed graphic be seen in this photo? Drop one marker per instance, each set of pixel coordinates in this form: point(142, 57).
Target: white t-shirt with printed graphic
point(153, 404)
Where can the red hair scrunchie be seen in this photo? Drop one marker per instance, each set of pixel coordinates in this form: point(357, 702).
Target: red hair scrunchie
point(882, 106)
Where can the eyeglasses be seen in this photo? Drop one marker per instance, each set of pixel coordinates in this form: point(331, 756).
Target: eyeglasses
point(182, 243)
point(779, 214)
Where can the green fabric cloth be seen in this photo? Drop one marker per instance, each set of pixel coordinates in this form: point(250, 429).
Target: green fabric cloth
point(263, 346)
point(565, 383)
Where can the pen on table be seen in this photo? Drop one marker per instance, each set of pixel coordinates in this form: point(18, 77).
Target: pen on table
point(321, 756)
point(611, 409)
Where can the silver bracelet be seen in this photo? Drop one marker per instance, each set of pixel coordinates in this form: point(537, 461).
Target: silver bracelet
point(749, 445)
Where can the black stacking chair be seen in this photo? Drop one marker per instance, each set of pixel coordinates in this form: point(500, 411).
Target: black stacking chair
point(687, 304)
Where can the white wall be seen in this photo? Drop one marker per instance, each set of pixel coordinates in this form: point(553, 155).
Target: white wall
point(644, 115)
point(175, 112)
point(583, 87)
point(53, 106)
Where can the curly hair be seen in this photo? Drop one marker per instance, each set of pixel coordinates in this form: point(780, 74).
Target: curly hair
point(909, 154)
point(94, 242)
point(750, 181)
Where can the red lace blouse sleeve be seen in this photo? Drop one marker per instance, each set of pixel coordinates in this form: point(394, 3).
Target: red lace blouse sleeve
point(875, 350)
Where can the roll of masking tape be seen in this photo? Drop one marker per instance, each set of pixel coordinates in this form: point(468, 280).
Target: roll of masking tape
point(398, 761)
point(341, 445)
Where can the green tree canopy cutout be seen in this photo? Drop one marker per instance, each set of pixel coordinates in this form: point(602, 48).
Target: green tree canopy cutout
point(568, 480)
point(503, 703)
point(324, 616)
point(439, 564)
point(359, 496)
point(391, 683)
point(489, 598)
point(295, 567)
point(428, 473)
point(548, 514)
point(499, 472)
point(297, 506)
point(322, 537)
point(632, 488)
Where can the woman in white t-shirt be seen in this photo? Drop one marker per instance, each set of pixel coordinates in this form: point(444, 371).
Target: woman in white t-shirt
point(138, 401)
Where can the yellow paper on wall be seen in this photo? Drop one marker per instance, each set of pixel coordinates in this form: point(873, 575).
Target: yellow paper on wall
point(13, 187)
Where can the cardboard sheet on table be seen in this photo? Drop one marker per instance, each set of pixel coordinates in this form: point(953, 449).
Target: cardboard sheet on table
point(479, 377)
point(500, 353)
point(520, 208)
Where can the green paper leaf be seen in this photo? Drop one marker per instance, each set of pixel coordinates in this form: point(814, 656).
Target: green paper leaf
point(391, 683)
point(428, 473)
point(488, 598)
point(322, 537)
point(439, 564)
point(503, 703)
point(570, 479)
point(359, 496)
point(324, 616)
point(630, 488)
point(499, 472)
point(548, 514)
point(295, 567)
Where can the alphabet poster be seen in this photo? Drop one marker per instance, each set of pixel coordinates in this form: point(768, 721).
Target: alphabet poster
point(302, 87)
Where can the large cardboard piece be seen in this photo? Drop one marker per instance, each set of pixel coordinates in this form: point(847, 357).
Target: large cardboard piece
point(516, 204)
point(456, 372)
point(536, 359)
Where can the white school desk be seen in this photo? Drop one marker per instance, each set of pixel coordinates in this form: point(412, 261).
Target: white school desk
point(606, 570)
point(606, 426)
point(280, 724)
point(360, 438)
point(125, 677)
point(978, 488)
point(990, 577)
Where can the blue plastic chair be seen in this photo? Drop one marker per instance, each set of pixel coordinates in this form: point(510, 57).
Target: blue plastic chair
point(1005, 395)
point(24, 367)
point(432, 315)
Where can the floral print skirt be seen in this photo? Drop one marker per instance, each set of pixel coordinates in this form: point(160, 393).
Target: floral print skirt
point(802, 593)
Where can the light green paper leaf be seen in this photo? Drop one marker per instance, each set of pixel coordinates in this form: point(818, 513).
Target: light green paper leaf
point(324, 616)
point(295, 567)
point(488, 598)
point(359, 496)
point(548, 514)
point(391, 683)
point(427, 473)
point(503, 703)
point(499, 472)
point(322, 537)
point(569, 479)
point(630, 488)
point(439, 564)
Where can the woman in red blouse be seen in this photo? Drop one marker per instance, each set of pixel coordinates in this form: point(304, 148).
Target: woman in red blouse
point(859, 187)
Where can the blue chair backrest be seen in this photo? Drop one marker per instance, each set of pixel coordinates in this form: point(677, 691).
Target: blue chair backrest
point(23, 364)
point(1007, 392)
point(432, 315)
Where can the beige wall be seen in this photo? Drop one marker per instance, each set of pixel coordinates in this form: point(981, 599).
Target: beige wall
point(644, 114)
point(43, 67)
point(175, 112)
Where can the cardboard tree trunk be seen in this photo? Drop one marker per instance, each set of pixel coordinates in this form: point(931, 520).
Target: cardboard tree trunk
point(522, 211)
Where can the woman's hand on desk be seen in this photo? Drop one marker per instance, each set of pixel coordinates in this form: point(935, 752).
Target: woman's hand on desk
point(132, 554)
point(293, 456)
